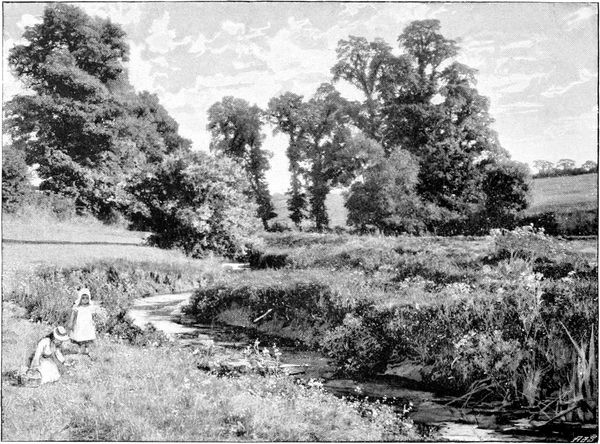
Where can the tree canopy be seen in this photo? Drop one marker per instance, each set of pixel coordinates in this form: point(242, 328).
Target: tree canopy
point(235, 127)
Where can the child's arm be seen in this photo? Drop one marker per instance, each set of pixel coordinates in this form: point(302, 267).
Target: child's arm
point(59, 356)
point(72, 319)
point(35, 361)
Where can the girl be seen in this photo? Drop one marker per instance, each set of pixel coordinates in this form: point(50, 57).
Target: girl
point(47, 353)
point(81, 324)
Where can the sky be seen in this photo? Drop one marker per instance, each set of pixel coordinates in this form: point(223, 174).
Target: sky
point(536, 62)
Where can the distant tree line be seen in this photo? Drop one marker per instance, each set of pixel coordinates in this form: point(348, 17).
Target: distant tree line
point(564, 167)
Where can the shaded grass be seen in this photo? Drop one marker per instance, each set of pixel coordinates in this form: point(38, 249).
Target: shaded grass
point(137, 394)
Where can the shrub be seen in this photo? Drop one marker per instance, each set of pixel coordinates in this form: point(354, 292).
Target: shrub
point(197, 203)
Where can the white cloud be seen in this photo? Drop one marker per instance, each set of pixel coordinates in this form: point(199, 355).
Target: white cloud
point(122, 13)
point(233, 28)
point(198, 45)
point(521, 44)
point(162, 38)
point(573, 19)
point(584, 77)
point(140, 69)
point(28, 20)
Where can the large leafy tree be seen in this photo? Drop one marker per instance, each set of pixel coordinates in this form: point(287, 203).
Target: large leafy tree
point(425, 102)
point(362, 64)
point(236, 132)
point(82, 124)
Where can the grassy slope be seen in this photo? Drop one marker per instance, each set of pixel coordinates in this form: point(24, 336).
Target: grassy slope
point(549, 194)
point(127, 393)
point(48, 241)
point(564, 193)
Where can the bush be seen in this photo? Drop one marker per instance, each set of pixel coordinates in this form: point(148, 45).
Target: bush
point(197, 203)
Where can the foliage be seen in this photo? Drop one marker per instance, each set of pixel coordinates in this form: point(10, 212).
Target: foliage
point(236, 132)
point(16, 188)
point(286, 113)
point(197, 203)
point(565, 167)
point(387, 198)
point(322, 148)
point(83, 125)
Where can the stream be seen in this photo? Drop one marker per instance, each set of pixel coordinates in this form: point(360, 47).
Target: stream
point(431, 414)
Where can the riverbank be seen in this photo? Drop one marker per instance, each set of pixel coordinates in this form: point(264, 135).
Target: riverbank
point(128, 393)
point(508, 319)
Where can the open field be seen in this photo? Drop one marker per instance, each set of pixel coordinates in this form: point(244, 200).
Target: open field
point(29, 243)
point(548, 194)
point(564, 193)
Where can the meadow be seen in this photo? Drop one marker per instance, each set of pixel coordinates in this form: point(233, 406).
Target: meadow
point(138, 385)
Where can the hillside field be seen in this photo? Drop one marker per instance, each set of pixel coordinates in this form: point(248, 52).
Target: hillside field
point(547, 194)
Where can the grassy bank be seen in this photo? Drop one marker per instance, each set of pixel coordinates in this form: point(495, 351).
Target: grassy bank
point(509, 317)
point(129, 393)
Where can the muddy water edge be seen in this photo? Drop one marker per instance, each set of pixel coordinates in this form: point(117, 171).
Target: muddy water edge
point(437, 417)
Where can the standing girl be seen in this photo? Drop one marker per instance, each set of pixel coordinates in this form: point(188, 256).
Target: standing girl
point(83, 330)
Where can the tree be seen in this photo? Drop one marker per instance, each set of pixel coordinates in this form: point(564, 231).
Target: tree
point(432, 109)
point(83, 125)
point(386, 198)
point(287, 114)
point(565, 164)
point(506, 186)
point(325, 151)
point(15, 179)
point(543, 166)
point(362, 63)
point(236, 132)
point(590, 165)
point(198, 203)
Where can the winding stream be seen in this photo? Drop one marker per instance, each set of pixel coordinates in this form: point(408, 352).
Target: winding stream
point(164, 312)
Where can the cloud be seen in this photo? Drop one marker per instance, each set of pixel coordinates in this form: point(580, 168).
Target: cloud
point(573, 19)
point(140, 69)
point(122, 13)
point(28, 20)
point(233, 28)
point(521, 44)
point(556, 90)
point(198, 45)
point(162, 38)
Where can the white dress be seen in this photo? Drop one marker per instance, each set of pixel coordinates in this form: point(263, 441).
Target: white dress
point(83, 325)
point(43, 360)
